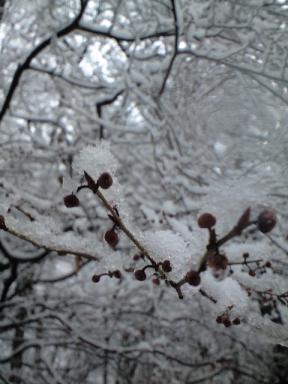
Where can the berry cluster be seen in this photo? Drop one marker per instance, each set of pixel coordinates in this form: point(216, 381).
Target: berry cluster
point(117, 274)
point(225, 318)
point(159, 268)
point(105, 181)
point(257, 266)
point(217, 260)
point(214, 258)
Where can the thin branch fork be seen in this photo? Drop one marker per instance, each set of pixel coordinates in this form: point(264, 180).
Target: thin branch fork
point(176, 40)
point(26, 64)
point(115, 217)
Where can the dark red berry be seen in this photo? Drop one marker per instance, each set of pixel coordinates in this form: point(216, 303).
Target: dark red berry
point(136, 257)
point(268, 264)
point(96, 278)
point(217, 261)
point(219, 319)
point(117, 274)
point(105, 180)
point(2, 223)
point(111, 237)
point(266, 221)
point(156, 281)
point(166, 266)
point(193, 278)
point(71, 201)
point(206, 220)
point(236, 321)
point(252, 273)
point(227, 322)
point(140, 275)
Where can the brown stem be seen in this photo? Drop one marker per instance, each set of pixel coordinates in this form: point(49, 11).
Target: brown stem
point(177, 287)
point(142, 249)
point(51, 248)
point(203, 293)
point(123, 227)
point(246, 262)
point(233, 233)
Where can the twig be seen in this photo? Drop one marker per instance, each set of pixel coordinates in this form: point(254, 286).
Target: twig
point(49, 248)
point(123, 227)
point(245, 262)
point(175, 49)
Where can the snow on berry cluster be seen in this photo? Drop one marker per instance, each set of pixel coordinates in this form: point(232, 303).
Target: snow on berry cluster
point(201, 265)
point(209, 261)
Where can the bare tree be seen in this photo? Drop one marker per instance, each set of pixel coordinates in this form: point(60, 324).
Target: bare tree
point(191, 95)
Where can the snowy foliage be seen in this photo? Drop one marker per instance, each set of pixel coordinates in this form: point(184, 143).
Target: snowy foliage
point(167, 245)
point(184, 105)
point(95, 160)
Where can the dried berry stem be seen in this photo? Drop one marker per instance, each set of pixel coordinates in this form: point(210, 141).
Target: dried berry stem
point(177, 286)
point(245, 262)
point(149, 266)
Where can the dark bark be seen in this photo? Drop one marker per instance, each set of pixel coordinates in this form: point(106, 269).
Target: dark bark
point(25, 65)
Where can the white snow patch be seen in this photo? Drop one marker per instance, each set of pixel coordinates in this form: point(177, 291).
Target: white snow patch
point(95, 160)
point(227, 293)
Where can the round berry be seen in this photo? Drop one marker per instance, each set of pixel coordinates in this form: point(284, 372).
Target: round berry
point(111, 237)
point(193, 278)
point(117, 274)
point(236, 321)
point(140, 275)
point(219, 319)
point(268, 264)
point(252, 273)
point(266, 221)
point(105, 180)
point(227, 322)
point(166, 266)
point(217, 261)
point(71, 201)
point(156, 281)
point(206, 220)
point(96, 278)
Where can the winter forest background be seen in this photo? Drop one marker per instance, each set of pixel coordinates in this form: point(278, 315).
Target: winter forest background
point(184, 104)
